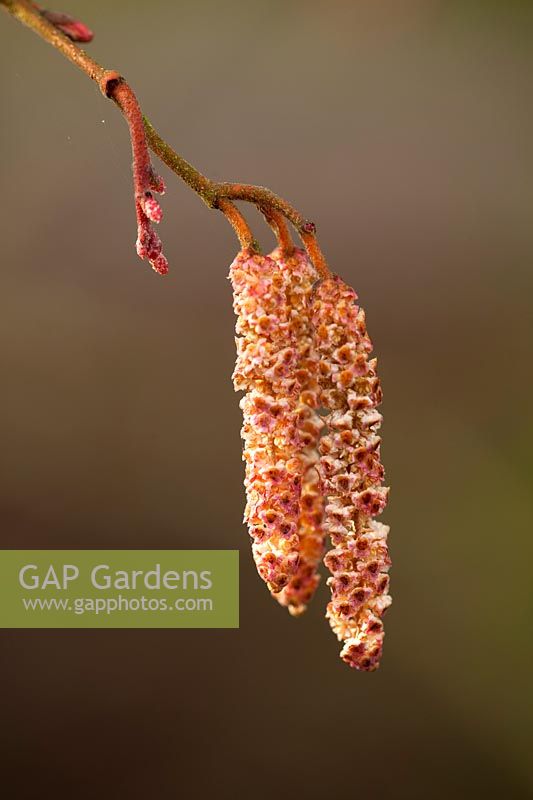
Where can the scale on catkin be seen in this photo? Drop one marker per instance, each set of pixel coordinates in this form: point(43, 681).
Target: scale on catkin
point(311, 448)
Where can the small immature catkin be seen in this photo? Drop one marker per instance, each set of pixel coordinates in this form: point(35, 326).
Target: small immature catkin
point(351, 475)
point(278, 423)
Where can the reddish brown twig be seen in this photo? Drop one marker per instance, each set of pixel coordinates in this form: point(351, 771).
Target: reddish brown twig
point(56, 29)
point(145, 180)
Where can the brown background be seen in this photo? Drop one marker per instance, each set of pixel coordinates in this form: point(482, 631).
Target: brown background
point(404, 129)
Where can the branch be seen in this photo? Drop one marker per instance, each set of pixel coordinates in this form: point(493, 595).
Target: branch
point(62, 32)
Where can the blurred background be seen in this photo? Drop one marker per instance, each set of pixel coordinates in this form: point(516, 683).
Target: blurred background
point(404, 130)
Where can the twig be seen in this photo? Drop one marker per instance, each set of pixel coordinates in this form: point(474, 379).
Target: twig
point(143, 135)
point(278, 223)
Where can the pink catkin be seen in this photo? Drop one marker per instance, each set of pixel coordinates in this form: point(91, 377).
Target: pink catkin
point(301, 587)
point(148, 243)
point(280, 424)
point(351, 475)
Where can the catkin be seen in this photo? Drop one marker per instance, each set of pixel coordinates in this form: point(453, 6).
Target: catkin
point(301, 587)
point(351, 474)
point(278, 425)
point(311, 444)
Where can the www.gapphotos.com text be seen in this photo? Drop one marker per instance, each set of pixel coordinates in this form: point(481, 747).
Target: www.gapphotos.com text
point(111, 605)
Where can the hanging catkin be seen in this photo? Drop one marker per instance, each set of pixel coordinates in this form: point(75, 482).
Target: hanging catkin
point(351, 475)
point(308, 426)
point(280, 427)
point(302, 348)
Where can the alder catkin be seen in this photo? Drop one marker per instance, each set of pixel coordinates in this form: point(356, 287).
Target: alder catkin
point(351, 474)
point(267, 339)
point(311, 444)
point(306, 396)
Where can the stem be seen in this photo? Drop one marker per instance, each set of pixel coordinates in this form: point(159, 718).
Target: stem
point(277, 222)
point(143, 135)
point(189, 174)
point(238, 223)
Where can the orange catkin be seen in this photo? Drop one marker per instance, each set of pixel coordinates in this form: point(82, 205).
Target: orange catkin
point(301, 587)
point(311, 444)
point(280, 426)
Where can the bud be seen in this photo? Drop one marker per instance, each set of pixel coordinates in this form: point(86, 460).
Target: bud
point(148, 244)
point(159, 264)
point(75, 30)
point(151, 208)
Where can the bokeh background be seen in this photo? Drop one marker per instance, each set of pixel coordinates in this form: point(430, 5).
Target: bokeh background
point(404, 130)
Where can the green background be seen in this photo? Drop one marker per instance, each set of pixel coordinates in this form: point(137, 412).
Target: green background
point(223, 565)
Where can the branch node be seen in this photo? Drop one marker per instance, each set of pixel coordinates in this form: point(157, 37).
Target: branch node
point(109, 82)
